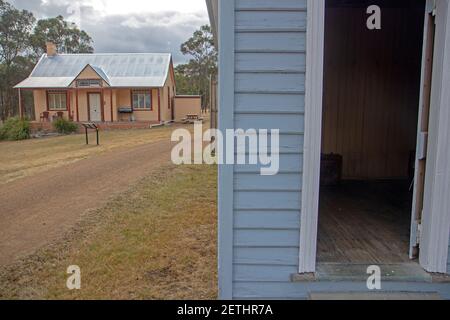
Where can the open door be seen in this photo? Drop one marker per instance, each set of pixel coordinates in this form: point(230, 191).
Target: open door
point(422, 135)
point(430, 223)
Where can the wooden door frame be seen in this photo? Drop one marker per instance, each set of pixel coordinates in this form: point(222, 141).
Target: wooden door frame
point(434, 238)
point(422, 128)
point(436, 218)
point(313, 134)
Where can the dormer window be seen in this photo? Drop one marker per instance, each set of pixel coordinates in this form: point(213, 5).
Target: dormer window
point(89, 83)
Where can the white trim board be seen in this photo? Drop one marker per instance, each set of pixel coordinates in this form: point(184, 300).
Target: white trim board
point(313, 135)
point(424, 100)
point(226, 173)
point(436, 213)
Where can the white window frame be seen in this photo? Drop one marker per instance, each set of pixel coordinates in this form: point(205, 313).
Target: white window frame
point(142, 95)
point(55, 101)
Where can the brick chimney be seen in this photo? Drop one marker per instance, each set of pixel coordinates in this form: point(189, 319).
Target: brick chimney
point(51, 49)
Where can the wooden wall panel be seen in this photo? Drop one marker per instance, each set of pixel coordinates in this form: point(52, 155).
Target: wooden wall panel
point(269, 93)
point(371, 91)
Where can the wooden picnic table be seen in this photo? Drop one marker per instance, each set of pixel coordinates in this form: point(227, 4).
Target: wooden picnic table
point(191, 118)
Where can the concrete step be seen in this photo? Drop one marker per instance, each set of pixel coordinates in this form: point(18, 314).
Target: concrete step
point(342, 296)
point(402, 272)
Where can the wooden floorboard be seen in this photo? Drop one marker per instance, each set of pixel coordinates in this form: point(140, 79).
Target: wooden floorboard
point(365, 222)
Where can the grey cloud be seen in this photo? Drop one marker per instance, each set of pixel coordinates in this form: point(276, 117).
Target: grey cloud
point(135, 33)
point(149, 32)
point(41, 10)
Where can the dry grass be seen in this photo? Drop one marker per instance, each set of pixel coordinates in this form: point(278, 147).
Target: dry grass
point(24, 158)
point(157, 241)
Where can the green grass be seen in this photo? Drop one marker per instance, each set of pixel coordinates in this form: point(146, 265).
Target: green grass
point(157, 241)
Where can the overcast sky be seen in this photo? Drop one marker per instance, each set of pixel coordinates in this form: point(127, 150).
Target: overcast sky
point(128, 25)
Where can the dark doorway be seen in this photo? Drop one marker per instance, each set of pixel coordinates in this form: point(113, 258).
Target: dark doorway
point(370, 114)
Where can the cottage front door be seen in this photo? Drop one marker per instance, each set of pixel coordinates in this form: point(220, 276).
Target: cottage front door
point(95, 112)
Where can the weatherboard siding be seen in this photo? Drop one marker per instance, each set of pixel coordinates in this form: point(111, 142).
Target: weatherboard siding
point(262, 86)
point(270, 65)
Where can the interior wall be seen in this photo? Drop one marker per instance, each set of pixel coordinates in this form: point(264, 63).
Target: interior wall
point(371, 89)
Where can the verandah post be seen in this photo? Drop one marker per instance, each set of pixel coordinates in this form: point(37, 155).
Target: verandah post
point(20, 104)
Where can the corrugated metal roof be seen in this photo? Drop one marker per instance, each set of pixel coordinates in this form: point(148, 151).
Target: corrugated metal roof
point(42, 82)
point(121, 70)
point(101, 73)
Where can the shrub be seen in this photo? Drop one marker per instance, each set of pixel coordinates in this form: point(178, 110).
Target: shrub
point(15, 129)
point(65, 127)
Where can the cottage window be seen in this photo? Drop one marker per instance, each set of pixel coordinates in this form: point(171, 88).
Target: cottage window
point(142, 100)
point(57, 101)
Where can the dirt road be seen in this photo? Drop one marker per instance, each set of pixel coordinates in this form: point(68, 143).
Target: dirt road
point(40, 209)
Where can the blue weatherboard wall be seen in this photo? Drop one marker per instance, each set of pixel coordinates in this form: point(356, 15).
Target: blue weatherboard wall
point(259, 216)
point(269, 94)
